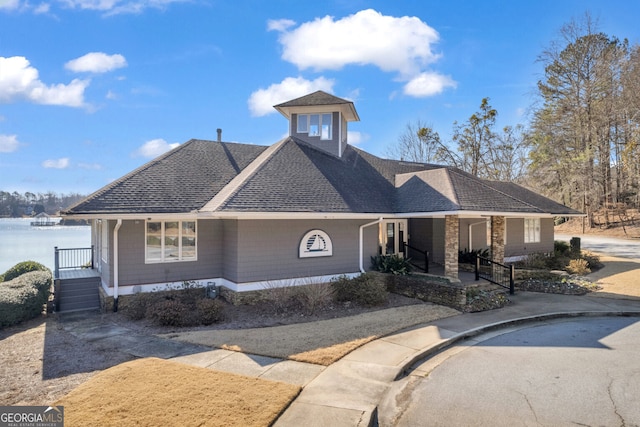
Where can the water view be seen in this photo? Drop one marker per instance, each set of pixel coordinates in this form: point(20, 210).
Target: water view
point(22, 242)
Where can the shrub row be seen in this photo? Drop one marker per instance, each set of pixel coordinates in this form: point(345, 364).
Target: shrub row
point(364, 290)
point(181, 307)
point(23, 297)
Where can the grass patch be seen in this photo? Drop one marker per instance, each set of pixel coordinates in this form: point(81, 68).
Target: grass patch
point(152, 391)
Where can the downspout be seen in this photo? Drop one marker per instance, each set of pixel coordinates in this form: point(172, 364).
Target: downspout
point(115, 264)
point(378, 221)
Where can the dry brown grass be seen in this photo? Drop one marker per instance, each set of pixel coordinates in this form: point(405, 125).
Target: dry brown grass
point(322, 342)
point(154, 392)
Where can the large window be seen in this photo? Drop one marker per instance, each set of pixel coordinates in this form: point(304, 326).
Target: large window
point(315, 125)
point(532, 230)
point(168, 241)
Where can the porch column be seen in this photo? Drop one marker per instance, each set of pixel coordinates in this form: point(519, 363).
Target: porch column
point(498, 225)
point(451, 245)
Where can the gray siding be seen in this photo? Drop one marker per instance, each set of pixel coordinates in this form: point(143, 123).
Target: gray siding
point(479, 234)
point(268, 249)
point(515, 245)
point(332, 146)
point(427, 234)
point(134, 271)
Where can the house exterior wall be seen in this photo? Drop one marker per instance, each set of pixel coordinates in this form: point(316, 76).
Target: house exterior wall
point(477, 228)
point(330, 145)
point(515, 245)
point(134, 271)
point(268, 249)
point(428, 234)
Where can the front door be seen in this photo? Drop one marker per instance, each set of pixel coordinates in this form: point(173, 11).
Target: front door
point(393, 237)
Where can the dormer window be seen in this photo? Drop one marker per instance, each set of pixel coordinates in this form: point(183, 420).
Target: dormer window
point(315, 125)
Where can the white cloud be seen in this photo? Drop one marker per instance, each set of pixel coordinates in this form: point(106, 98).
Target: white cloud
point(154, 148)
point(403, 45)
point(96, 62)
point(9, 4)
point(428, 84)
point(114, 7)
point(355, 137)
point(367, 37)
point(278, 24)
point(19, 80)
point(41, 8)
point(62, 163)
point(261, 102)
point(8, 143)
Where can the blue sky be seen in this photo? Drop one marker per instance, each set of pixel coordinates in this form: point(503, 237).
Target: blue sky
point(92, 89)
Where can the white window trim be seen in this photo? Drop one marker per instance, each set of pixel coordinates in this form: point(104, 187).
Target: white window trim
point(532, 230)
point(162, 258)
point(306, 119)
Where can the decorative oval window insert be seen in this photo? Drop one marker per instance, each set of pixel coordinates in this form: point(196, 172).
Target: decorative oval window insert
point(315, 243)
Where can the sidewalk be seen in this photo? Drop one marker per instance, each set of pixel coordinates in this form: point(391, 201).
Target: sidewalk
point(348, 392)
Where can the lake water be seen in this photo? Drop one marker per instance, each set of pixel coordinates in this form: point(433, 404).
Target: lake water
point(22, 242)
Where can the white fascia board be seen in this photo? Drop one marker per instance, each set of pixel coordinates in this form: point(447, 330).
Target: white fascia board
point(135, 216)
point(289, 215)
point(476, 214)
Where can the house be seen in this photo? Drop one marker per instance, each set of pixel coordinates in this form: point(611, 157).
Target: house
point(308, 207)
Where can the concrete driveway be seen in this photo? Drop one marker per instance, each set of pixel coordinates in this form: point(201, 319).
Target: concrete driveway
point(620, 277)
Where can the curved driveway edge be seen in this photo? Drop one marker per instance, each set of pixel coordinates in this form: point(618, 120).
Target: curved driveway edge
point(348, 392)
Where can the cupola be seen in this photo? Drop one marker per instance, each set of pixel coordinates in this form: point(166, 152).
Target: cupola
point(320, 119)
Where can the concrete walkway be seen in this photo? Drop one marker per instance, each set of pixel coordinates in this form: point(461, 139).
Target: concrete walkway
point(348, 392)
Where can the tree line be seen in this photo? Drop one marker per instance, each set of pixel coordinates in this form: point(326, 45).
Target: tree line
point(581, 146)
point(16, 205)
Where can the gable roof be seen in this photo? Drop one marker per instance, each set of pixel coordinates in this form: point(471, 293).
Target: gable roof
point(293, 176)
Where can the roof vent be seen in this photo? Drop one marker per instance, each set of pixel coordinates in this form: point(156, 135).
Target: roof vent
point(219, 134)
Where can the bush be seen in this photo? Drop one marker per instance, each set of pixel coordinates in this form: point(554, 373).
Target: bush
point(393, 264)
point(171, 312)
point(137, 305)
point(314, 297)
point(24, 297)
point(22, 268)
point(579, 267)
point(209, 311)
point(363, 290)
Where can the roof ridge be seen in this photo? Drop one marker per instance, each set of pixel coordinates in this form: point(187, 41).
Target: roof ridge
point(137, 170)
point(234, 185)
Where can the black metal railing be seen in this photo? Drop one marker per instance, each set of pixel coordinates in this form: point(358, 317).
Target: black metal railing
point(494, 272)
point(71, 259)
point(424, 256)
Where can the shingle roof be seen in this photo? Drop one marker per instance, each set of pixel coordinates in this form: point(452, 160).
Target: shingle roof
point(293, 176)
point(179, 181)
point(316, 98)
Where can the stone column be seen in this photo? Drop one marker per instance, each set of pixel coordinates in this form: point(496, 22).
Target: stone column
point(451, 245)
point(498, 226)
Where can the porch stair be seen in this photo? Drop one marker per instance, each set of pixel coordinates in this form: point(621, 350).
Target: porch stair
point(77, 293)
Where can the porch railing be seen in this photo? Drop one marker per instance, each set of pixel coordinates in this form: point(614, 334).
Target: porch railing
point(71, 259)
point(494, 272)
point(425, 257)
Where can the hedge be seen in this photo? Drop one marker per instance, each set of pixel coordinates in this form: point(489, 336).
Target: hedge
point(24, 297)
point(22, 268)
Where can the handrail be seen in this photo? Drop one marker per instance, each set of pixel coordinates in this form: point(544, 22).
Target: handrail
point(73, 258)
point(494, 272)
point(424, 253)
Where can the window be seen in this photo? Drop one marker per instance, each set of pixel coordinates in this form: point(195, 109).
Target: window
point(168, 241)
point(315, 125)
point(303, 123)
point(531, 230)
